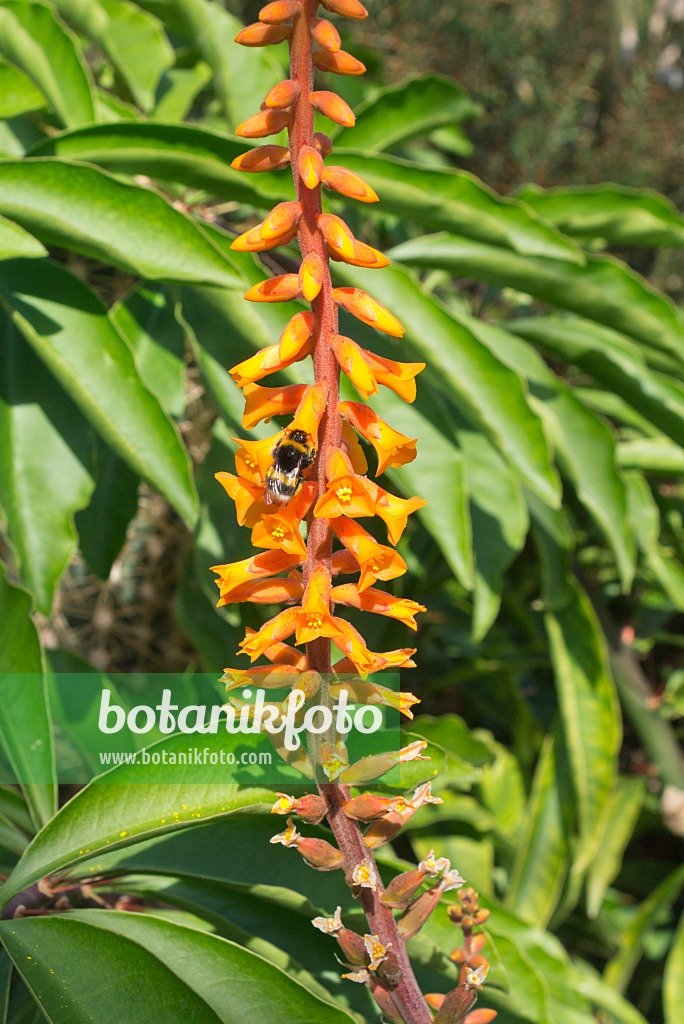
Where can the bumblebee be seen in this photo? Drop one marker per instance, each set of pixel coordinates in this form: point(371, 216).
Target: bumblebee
point(294, 452)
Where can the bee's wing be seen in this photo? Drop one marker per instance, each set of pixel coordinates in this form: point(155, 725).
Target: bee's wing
point(281, 484)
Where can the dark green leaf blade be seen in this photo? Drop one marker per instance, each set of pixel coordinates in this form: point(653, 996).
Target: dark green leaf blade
point(68, 327)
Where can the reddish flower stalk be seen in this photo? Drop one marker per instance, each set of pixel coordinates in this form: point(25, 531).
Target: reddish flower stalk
point(273, 499)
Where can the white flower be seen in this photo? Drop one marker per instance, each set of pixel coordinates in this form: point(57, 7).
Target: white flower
point(329, 925)
point(364, 875)
point(376, 951)
point(290, 837)
point(476, 979)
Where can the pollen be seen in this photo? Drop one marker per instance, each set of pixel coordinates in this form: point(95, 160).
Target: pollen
point(314, 622)
point(344, 494)
point(278, 532)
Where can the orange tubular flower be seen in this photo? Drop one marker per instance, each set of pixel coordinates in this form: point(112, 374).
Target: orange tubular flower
point(393, 448)
point(315, 467)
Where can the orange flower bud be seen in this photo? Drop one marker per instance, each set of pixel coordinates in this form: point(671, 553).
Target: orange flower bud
point(377, 601)
point(368, 310)
point(310, 166)
point(403, 888)
point(276, 629)
point(310, 410)
point(274, 289)
point(319, 854)
point(352, 446)
point(347, 8)
point(310, 807)
point(455, 1007)
point(333, 106)
point(375, 560)
point(283, 654)
point(343, 564)
point(268, 360)
point(259, 566)
point(481, 1016)
point(393, 448)
point(434, 1000)
point(282, 219)
point(344, 181)
point(338, 236)
point(375, 765)
point(322, 143)
point(262, 158)
point(251, 241)
point(296, 337)
point(326, 35)
point(279, 10)
point(266, 122)
point(353, 361)
point(263, 403)
point(339, 63)
point(263, 35)
point(281, 95)
point(267, 677)
point(266, 592)
point(311, 276)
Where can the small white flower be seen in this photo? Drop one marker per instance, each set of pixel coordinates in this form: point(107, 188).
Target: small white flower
point(377, 952)
point(362, 976)
point(423, 795)
point(451, 880)
point(364, 875)
point(290, 837)
point(329, 925)
point(283, 804)
point(434, 867)
point(476, 979)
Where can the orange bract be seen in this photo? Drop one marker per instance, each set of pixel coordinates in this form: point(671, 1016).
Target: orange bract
point(266, 122)
point(262, 158)
point(371, 312)
point(263, 35)
point(333, 106)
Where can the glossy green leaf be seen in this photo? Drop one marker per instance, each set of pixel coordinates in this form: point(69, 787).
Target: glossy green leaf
point(490, 395)
point(156, 968)
point(651, 454)
point(17, 92)
point(401, 112)
point(617, 823)
point(673, 982)
point(614, 213)
point(604, 997)
point(45, 466)
point(5, 984)
point(13, 807)
point(590, 713)
point(84, 209)
point(133, 40)
point(241, 74)
point(574, 431)
point(178, 89)
point(126, 808)
point(645, 517)
point(25, 730)
point(605, 289)
point(614, 362)
point(201, 158)
point(147, 321)
point(541, 863)
point(67, 326)
point(620, 968)
point(14, 241)
point(33, 40)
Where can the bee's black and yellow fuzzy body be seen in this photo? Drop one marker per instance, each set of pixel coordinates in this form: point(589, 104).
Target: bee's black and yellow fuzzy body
point(293, 453)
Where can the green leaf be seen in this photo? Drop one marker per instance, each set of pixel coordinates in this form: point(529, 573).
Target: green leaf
point(489, 394)
point(45, 466)
point(614, 362)
point(147, 321)
point(177, 91)
point(631, 938)
point(652, 455)
point(615, 828)
point(13, 807)
point(592, 986)
point(84, 209)
point(645, 517)
point(157, 969)
point(574, 431)
point(401, 112)
point(14, 241)
point(673, 985)
point(605, 289)
point(33, 40)
point(68, 328)
point(136, 44)
point(201, 158)
point(123, 807)
point(590, 713)
point(25, 731)
point(614, 213)
point(17, 92)
point(541, 863)
point(5, 984)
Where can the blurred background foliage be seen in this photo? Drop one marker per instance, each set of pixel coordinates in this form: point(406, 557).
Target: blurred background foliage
point(550, 421)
